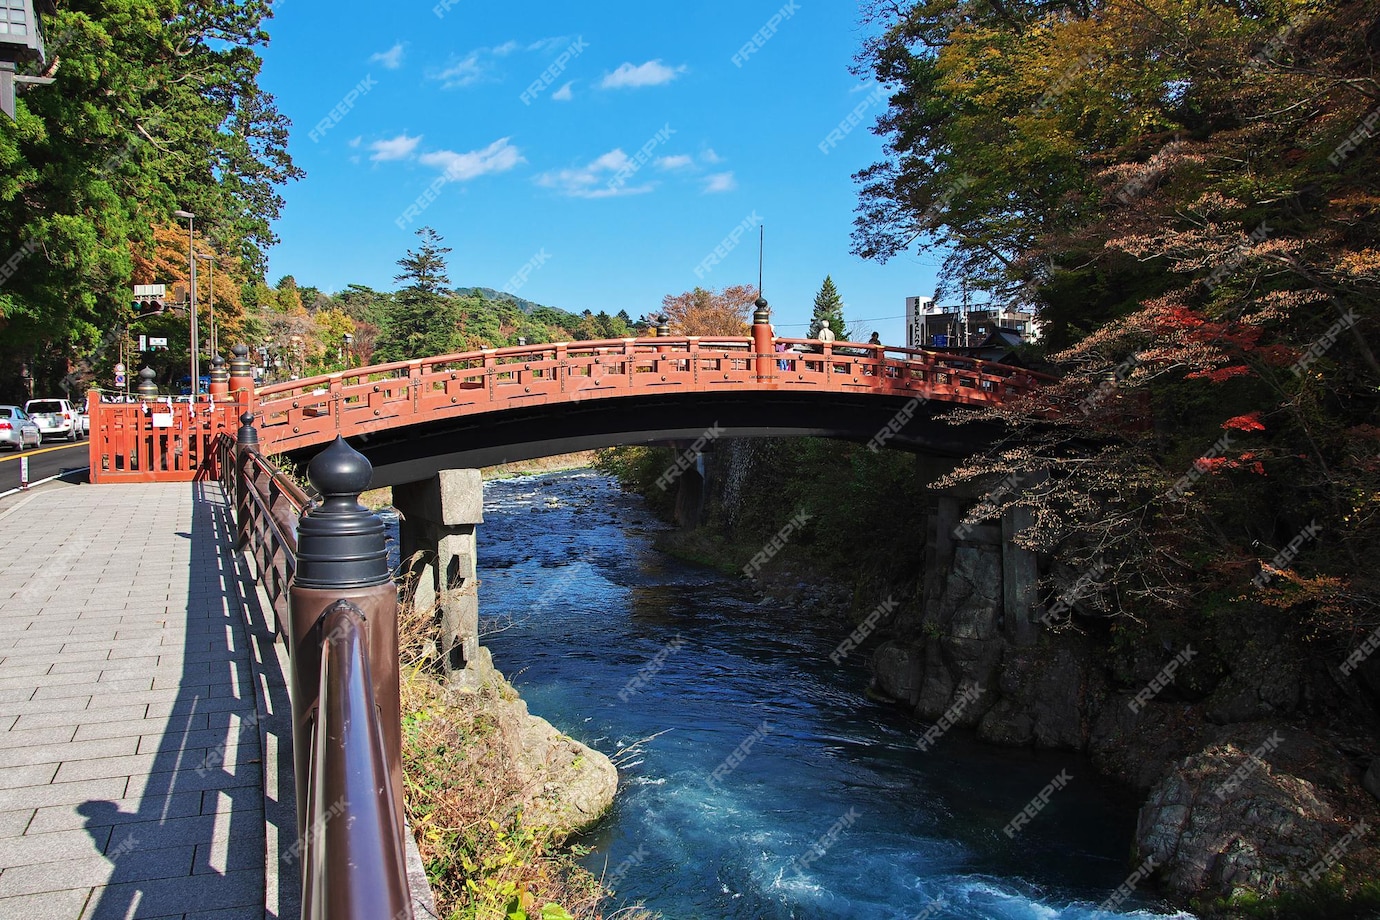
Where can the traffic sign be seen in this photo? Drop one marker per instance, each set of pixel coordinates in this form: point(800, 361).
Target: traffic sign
point(119, 368)
point(120, 379)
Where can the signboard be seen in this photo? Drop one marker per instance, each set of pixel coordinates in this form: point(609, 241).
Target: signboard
point(162, 420)
point(150, 290)
point(157, 342)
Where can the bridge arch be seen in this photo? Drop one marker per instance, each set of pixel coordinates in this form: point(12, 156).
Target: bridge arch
point(414, 418)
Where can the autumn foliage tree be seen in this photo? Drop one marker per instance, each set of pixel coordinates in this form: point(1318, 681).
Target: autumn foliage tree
point(710, 312)
point(1188, 192)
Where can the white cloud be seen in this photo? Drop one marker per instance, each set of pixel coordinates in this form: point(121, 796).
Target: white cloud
point(465, 71)
point(597, 180)
point(397, 148)
point(549, 44)
point(682, 161)
point(481, 64)
point(391, 59)
point(564, 94)
point(500, 156)
point(720, 182)
point(709, 156)
point(652, 73)
point(359, 139)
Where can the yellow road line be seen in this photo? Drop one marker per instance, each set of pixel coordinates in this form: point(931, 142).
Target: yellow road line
point(15, 455)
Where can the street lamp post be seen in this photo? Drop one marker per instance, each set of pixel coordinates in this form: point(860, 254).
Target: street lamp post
point(191, 259)
point(28, 377)
point(215, 348)
point(346, 339)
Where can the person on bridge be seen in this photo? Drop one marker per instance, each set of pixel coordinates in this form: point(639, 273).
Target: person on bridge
point(784, 364)
point(825, 333)
point(875, 340)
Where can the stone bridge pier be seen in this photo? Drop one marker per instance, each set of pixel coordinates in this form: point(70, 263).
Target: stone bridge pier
point(436, 533)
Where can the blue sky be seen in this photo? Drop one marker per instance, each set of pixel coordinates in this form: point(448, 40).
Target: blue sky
point(589, 158)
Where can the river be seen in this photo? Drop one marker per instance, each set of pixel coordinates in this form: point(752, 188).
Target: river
point(757, 780)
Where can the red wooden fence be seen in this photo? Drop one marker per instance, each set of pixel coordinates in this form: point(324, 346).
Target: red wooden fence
point(157, 441)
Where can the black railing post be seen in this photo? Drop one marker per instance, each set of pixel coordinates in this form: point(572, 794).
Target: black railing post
point(342, 555)
point(246, 441)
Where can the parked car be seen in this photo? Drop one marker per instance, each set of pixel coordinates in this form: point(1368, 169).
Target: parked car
point(55, 417)
point(17, 430)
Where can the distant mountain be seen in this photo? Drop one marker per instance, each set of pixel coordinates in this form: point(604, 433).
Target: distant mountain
point(526, 306)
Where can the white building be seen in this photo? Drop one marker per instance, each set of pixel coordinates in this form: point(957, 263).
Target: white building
point(931, 325)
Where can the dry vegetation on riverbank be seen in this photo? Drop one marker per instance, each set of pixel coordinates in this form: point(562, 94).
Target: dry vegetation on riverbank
point(465, 803)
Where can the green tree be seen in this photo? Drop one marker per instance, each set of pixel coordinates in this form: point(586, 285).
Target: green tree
point(156, 107)
point(424, 268)
point(423, 320)
point(828, 307)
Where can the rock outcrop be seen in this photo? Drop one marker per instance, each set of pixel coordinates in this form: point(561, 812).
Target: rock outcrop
point(1227, 821)
point(568, 786)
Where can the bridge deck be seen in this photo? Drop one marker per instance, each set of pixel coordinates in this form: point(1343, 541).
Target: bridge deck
point(135, 698)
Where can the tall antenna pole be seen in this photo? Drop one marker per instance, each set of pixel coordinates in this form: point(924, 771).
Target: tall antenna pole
point(761, 247)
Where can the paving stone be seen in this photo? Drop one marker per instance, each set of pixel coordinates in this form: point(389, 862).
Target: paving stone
point(80, 716)
point(242, 890)
point(49, 905)
point(59, 752)
point(140, 726)
point(62, 793)
point(39, 849)
point(115, 813)
point(139, 865)
point(14, 823)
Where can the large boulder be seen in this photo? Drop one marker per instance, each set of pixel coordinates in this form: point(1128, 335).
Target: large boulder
point(1226, 821)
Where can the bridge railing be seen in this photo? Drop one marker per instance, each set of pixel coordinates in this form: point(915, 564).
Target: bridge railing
point(324, 567)
point(304, 412)
point(156, 441)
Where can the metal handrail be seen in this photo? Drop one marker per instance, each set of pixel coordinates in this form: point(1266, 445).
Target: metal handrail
point(353, 865)
point(347, 738)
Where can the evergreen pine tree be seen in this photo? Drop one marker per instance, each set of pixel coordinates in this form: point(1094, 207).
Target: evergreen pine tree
point(423, 319)
point(828, 306)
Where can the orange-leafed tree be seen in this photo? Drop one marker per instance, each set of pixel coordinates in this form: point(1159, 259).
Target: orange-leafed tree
point(167, 264)
point(710, 312)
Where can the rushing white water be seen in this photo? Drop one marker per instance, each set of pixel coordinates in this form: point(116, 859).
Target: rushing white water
point(770, 786)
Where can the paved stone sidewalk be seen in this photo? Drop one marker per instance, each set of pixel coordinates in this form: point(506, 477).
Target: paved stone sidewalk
point(132, 780)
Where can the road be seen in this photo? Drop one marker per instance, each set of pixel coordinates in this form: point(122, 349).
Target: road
point(43, 462)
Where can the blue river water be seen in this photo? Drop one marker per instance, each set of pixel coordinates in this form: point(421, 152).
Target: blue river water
point(756, 779)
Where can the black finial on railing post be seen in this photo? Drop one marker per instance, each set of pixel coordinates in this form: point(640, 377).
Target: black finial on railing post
point(147, 389)
point(663, 327)
point(339, 543)
point(248, 435)
point(342, 554)
point(239, 361)
point(246, 443)
point(220, 377)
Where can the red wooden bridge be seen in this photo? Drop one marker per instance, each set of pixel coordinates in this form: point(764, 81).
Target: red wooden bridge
point(654, 389)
